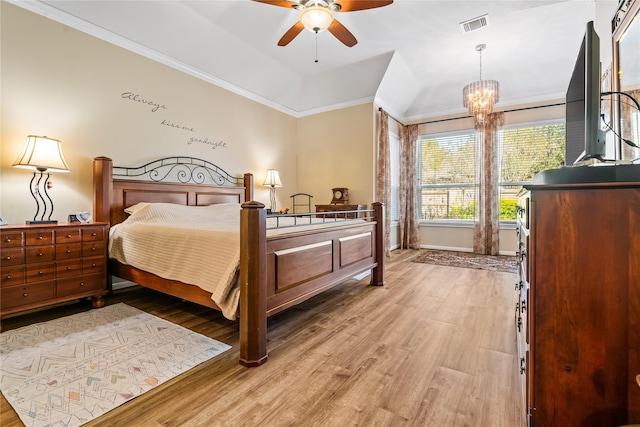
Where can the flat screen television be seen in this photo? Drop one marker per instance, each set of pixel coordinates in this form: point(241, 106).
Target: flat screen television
point(584, 138)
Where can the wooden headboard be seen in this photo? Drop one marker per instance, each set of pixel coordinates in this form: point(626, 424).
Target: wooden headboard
point(200, 183)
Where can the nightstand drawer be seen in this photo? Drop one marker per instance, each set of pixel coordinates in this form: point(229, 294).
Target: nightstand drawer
point(10, 276)
point(68, 251)
point(42, 265)
point(93, 248)
point(69, 268)
point(79, 285)
point(15, 296)
point(12, 256)
point(68, 235)
point(39, 237)
point(39, 254)
point(93, 265)
point(39, 272)
point(11, 239)
point(92, 234)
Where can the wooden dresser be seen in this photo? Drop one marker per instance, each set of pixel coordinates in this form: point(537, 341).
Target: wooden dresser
point(339, 210)
point(48, 264)
point(578, 311)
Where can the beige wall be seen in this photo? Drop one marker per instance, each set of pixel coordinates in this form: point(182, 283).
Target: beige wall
point(336, 149)
point(62, 83)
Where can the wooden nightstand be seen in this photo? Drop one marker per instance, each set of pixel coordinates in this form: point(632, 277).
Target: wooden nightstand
point(339, 209)
point(48, 264)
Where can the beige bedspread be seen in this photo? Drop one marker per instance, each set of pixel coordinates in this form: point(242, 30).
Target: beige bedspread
point(195, 245)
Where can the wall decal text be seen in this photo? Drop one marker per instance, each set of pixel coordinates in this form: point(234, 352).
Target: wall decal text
point(206, 141)
point(169, 123)
point(136, 98)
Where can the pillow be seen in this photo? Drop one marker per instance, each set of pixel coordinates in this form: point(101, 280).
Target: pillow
point(169, 213)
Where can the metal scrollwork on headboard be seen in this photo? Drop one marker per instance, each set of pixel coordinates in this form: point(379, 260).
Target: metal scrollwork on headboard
point(180, 169)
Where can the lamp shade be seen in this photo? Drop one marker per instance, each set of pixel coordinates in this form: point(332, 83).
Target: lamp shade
point(42, 153)
point(272, 179)
point(316, 18)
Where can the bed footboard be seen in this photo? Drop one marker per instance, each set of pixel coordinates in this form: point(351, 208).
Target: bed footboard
point(281, 271)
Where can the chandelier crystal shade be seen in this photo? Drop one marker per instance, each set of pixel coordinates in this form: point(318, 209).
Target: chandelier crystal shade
point(480, 96)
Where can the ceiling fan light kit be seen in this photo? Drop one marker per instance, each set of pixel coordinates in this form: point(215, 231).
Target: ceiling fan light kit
point(318, 15)
point(316, 18)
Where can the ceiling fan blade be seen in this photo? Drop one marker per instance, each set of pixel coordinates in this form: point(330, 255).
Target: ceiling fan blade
point(291, 34)
point(342, 34)
point(281, 3)
point(351, 5)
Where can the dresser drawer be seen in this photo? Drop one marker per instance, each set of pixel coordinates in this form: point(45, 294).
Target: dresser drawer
point(68, 251)
point(13, 275)
point(93, 234)
point(39, 254)
point(15, 296)
point(93, 248)
point(12, 256)
point(38, 237)
point(93, 265)
point(69, 268)
point(40, 272)
point(68, 235)
point(11, 239)
point(79, 285)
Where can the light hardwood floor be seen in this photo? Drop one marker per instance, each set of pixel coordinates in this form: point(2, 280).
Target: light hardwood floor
point(434, 347)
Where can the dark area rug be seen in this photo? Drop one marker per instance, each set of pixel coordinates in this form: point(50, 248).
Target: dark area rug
point(467, 260)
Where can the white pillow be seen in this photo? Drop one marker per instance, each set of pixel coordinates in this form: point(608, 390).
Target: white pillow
point(169, 213)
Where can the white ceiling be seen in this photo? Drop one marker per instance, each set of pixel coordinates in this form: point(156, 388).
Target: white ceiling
point(412, 57)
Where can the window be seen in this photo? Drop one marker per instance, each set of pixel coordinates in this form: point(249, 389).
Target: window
point(394, 154)
point(448, 176)
point(525, 150)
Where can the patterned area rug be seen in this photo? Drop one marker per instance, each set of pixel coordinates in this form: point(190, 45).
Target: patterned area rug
point(71, 370)
point(467, 260)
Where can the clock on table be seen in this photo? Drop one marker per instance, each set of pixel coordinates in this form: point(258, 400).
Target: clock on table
point(340, 196)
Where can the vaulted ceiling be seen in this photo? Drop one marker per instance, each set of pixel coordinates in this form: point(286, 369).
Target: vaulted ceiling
point(412, 57)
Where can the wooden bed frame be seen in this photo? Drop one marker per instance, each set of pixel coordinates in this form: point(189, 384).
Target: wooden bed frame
point(276, 272)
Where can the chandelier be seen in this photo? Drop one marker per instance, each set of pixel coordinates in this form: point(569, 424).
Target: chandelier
point(481, 95)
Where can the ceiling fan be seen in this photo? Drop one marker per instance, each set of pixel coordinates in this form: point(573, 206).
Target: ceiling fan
point(318, 15)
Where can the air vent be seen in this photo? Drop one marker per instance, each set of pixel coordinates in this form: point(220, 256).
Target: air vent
point(475, 24)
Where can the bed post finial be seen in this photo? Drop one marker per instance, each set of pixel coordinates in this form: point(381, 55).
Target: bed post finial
point(253, 284)
point(102, 188)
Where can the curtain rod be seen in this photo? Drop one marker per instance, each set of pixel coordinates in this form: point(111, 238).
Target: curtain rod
point(468, 117)
point(391, 117)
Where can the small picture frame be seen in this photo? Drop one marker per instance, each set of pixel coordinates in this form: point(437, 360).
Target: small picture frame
point(2, 220)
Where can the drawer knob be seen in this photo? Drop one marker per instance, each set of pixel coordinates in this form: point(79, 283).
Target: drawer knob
point(8, 277)
point(93, 265)
point(81, 283)
point(8, 257)
point(24, 295)
point(94, 234)
point(68, 268)
point(7, 239)
point(40, 236)
point(68, 250)
point(40, 272)
point(68, 236)
point(93, 249)
point(40, 254)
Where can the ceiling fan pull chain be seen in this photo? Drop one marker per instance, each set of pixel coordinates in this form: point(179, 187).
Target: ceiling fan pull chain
point(316, 47)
